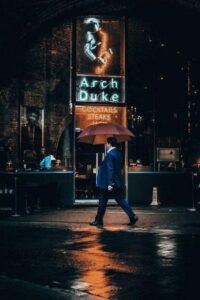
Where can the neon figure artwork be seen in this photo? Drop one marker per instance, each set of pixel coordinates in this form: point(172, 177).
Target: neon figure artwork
point(96, 46)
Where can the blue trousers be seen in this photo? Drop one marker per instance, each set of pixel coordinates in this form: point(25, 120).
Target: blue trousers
point(118, 195)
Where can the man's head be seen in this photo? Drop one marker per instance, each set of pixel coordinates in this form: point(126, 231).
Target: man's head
point(43, 151)
point(93, 24)
point(111, 142)
point(32, 115)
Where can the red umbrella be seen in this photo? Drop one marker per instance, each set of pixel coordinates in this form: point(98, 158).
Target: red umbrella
point(98, 133)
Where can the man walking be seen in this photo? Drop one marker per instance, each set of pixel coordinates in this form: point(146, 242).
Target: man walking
point(109, 179)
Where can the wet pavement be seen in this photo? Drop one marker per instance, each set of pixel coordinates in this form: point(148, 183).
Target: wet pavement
point(57, 255)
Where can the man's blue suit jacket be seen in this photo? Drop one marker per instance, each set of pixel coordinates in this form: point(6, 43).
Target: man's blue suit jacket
point(109, 172)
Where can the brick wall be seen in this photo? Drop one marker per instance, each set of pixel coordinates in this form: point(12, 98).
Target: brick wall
point(46, 80)
point(43, 83)
point(9, 118)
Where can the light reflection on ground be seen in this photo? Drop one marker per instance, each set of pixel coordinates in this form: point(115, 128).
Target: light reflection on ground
point(114, 262)
point(95, 263)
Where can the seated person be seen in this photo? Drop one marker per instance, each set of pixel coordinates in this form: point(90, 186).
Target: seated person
point(42, 153)
point(47, 162)
point(30, 161)
point(4, 151)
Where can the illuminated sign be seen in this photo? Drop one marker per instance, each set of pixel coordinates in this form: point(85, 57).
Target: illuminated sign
point(100, 60)
point(168, 154)
point(99, 89)
point(96, 46)
point(87, 115)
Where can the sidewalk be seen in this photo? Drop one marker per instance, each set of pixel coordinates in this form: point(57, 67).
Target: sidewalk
point(79, 216)
point(57, 255)
point(15, 289)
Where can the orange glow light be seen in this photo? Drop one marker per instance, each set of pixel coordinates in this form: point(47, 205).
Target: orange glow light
point(104, 53)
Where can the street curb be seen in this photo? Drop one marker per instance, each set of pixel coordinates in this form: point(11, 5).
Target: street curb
point(24, 290)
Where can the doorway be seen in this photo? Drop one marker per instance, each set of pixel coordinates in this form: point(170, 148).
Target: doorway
point(87, 157)
point(87, 160)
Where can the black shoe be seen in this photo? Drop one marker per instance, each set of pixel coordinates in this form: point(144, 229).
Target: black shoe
point(133, 221)
point(96, 223)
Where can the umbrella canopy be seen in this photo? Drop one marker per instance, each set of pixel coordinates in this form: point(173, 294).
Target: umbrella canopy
point(98, 133)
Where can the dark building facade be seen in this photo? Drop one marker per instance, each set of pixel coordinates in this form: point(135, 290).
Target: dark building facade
point(39, 66)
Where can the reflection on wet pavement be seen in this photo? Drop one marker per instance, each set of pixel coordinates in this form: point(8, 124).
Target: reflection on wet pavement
point(97, 265)
point(112, 263)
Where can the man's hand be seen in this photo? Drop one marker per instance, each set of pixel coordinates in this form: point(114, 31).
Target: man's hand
point(101, 60)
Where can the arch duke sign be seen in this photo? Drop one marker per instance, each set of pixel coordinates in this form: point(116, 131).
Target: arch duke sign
point(99, 89)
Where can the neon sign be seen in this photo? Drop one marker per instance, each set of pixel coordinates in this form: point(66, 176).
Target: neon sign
point(100, 64)
point(92, 114)
point(96, 46)
point(99, 89)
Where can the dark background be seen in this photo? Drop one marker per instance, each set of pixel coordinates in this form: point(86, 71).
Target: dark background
point(161, 42)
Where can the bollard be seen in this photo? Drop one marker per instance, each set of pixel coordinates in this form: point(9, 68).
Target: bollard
point(193, 209)
point(15, 198)
point(155, 198)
